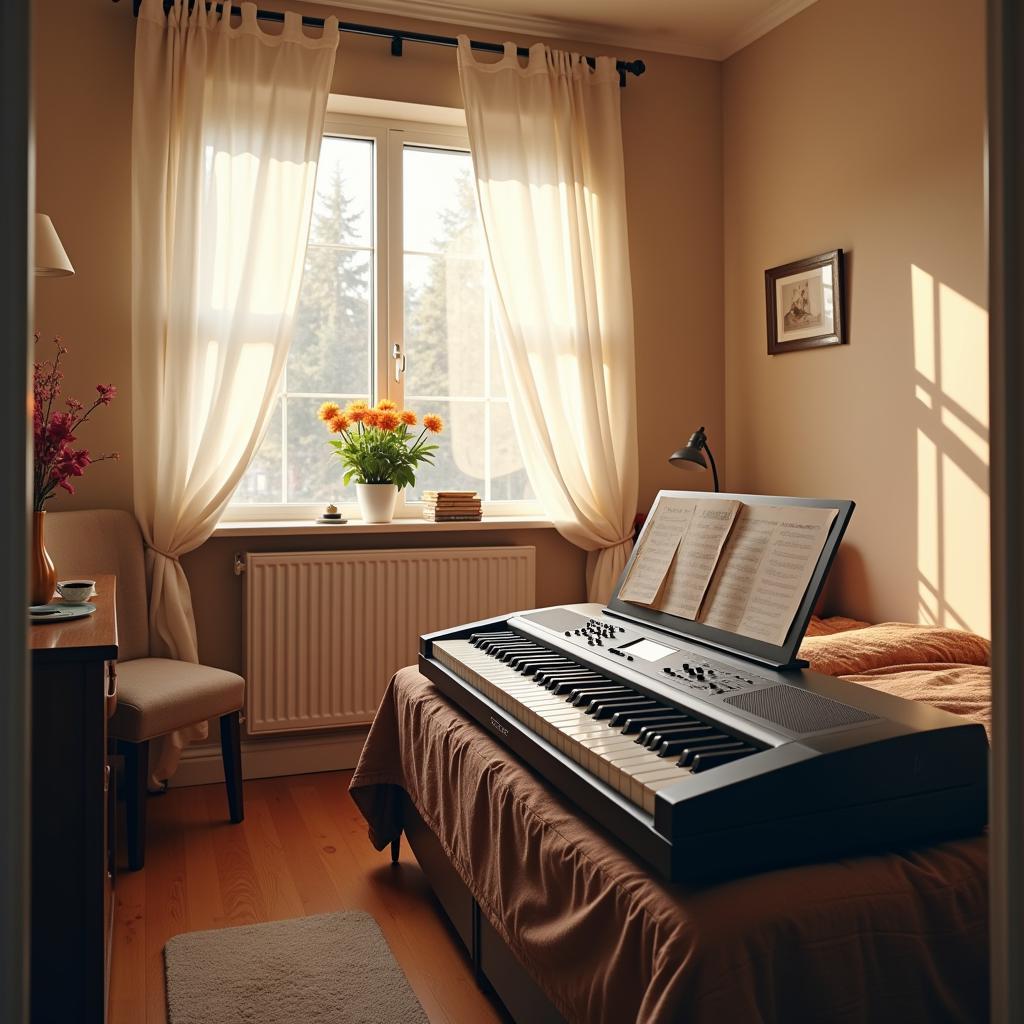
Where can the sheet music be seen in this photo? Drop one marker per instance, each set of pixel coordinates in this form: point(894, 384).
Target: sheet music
point(671, 520)
point(765, 569)
point(696, 556)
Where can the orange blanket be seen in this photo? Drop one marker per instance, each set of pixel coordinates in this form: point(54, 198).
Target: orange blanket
point(900, 937)
point(943, 667)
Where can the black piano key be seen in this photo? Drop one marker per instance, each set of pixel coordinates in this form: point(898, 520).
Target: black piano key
point(566, 686)
point(672, 746)
point(606, 707)
point(682, 721)
point(511, 652)
point(711, 747)
point(712, 759)
point(672, 730)
point(691, 727)
point(551, 680)
point(499, 639)
point(563, 667)
point(648, 733)
point(522, 662)
point(577, 698)
point(568, 666)
point(653, 710)
point(498, 650)
point(476, 639)
point(634, 723)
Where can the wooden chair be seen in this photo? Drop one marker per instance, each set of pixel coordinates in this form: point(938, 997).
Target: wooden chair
point(155, 696)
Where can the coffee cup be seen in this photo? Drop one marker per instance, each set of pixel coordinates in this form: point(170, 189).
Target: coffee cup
point(75, 591)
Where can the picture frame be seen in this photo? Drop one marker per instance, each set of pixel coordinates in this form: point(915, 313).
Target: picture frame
point(805, 304)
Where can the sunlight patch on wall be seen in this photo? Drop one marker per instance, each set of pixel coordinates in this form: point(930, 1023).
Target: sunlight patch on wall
point(965, 549)
point(963, 353)
point(951, 409)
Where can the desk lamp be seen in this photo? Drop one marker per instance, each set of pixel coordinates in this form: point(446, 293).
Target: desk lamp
point(691, 455)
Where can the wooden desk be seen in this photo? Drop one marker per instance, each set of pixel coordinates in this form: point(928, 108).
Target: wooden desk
point(73, 693)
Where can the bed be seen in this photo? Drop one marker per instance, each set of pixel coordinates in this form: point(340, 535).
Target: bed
point(568, 925)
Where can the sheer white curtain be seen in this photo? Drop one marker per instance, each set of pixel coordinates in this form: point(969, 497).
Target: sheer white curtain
point(547, 151)
point(226, 128)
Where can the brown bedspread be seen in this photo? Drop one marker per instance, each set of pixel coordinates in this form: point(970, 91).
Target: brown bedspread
point(900, 937)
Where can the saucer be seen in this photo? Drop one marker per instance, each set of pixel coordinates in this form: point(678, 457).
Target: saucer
point(59, 612)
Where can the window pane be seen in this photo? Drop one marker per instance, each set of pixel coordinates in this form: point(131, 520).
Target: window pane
point(440, 202)
point(508, 477)
point(330, 350)
point(459, 462)
point(497, 376)
point(343, 206)
point(444, 326)
point(262, 481)
point(314, 471)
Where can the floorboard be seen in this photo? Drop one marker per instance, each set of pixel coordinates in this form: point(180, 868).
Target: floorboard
point(302, 849)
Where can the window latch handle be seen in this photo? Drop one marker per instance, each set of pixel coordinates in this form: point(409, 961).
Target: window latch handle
point(400, 361)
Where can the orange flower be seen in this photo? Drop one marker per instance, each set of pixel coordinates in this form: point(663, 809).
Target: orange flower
point(371, 417)
point(357, 414)
point(408, 417)
point(339, 423)
point(388, 419)
point(433, 423)
point(328, 411)
point(356, 405)
point(385, 405)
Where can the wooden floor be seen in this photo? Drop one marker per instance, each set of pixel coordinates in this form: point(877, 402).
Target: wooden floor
point(302, 849)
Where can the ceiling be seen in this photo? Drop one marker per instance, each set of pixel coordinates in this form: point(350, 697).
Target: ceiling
point(696, 28)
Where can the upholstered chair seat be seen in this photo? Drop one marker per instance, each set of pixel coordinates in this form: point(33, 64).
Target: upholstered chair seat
point(155, 696)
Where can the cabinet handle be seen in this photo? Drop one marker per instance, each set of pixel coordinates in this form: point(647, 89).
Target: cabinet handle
point(106, 778)
point(111, 688)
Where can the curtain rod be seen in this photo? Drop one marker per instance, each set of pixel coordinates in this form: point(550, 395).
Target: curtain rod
point(400, 36)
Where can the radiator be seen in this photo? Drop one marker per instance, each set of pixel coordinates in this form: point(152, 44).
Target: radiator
point(326, 630)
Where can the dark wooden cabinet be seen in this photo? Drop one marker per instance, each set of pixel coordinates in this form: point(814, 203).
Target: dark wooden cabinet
point(73, 784)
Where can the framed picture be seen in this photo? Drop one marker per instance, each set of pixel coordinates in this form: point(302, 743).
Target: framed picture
point(805, 304)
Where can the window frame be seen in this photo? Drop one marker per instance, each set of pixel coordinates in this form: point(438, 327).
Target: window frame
point(390, 136)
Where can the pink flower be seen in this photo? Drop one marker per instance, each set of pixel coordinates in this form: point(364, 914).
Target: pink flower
point(61, 427)
point(56, 462)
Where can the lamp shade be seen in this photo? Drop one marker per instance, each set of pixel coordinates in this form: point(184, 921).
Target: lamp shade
point(691, 456)
point(51, 259)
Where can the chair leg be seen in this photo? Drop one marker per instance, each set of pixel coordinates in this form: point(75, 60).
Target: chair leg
point(231, 752)
point(136, 774)
point(396, 848)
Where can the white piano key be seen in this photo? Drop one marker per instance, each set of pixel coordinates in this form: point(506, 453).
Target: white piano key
point(595, 745)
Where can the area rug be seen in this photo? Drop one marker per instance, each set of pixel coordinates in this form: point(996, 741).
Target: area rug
point(327, 969)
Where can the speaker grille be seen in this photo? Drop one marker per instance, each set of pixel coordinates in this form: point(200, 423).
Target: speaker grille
point(797, 710)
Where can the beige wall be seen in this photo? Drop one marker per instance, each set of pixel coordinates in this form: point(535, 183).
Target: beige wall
point(672, 138)
point(853, 125)
point(859, 125)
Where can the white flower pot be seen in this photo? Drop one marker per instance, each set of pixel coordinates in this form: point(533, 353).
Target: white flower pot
point(377, 502)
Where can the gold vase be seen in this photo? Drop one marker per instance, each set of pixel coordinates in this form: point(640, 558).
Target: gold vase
point(42, 574)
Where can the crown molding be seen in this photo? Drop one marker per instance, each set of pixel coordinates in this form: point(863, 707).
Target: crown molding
point(527, 25)
point(559, 28)
point(762, 25)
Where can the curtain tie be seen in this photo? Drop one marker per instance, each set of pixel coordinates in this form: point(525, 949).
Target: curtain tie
point(628, 539)
point(166, 554)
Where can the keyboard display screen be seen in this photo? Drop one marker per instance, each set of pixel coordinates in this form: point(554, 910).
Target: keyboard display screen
point(649, 650)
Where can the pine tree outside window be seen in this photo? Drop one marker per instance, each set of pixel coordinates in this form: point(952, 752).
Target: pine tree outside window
point(395, 257)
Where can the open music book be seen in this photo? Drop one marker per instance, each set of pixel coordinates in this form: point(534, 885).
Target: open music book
point(737, 567)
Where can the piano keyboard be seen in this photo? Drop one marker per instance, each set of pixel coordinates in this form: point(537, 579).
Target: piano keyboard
point(636, 744)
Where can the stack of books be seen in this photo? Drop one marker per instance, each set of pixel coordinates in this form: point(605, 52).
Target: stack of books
point(452, 506)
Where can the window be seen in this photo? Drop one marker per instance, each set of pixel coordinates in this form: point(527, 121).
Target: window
point(393, 303)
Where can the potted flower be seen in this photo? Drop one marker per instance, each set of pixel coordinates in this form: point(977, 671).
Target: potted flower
point(56, 461)
point(380, 450)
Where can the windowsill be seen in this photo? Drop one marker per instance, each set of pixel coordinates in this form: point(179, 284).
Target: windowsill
point(306, 527)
